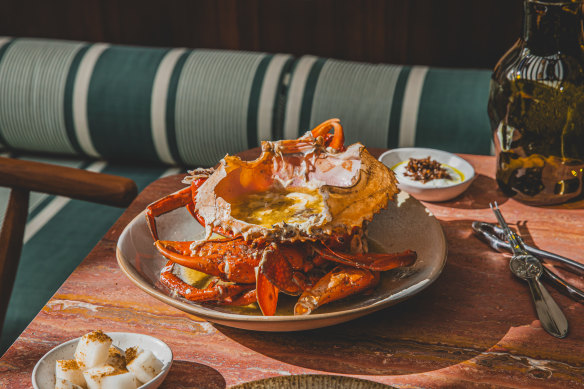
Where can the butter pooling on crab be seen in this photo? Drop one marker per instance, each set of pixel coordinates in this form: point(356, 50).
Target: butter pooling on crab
point(295, 191)
point(301, 203)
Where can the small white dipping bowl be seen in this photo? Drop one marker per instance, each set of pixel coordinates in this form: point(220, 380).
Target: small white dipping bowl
point(434, 190)
point(43, 375)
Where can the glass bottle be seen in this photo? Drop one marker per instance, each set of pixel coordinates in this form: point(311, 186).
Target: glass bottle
point(536, 106)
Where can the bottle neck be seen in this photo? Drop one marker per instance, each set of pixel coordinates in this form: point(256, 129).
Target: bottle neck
point(552, 27)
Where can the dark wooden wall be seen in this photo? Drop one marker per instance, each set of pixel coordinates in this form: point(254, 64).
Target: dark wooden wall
point(453, 33)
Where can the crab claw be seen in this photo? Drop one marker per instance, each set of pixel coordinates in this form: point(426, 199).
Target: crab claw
point(230, 259)
point(213, 292)
point(341, 282)
point(335, 141)
point(371, 261)
point(267, 295)
point(280, 264)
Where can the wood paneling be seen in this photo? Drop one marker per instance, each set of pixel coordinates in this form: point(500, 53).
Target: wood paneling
point(454, 33)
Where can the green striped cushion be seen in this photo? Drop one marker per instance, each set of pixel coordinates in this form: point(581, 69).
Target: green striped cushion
point(172, 106)
point(32, 94)
point(391, 106)
point(190, 107)
point(59, 233)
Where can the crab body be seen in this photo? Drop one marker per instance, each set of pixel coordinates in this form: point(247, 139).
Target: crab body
point(293, 220)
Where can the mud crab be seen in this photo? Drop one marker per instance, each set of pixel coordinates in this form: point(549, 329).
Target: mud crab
point(294, 220)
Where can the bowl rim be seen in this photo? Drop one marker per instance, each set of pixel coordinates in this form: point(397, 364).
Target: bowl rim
point(467, 178)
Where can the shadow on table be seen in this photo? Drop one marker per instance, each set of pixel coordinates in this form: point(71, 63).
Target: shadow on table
point(185, 374)
point(479, 194)
point(469, 309)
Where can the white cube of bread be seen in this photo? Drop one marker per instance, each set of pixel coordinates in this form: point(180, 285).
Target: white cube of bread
point(120, 381)
point(106, 377)
point(64, 384)
point(116, 358)
point(142, 363)
point(68, 369)
point(95, 375)
point(92, 349)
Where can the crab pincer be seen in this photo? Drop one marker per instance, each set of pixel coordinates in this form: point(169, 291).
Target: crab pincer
point(340, 282)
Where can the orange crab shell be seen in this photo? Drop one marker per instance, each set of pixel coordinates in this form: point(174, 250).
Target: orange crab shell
point(296, 191)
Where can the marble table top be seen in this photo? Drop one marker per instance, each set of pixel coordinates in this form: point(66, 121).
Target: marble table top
point(475, 326)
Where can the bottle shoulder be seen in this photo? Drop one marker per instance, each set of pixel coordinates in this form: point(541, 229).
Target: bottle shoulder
point(519, 62)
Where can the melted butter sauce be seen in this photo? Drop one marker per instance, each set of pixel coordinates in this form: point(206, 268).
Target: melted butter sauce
point(457, 176)
point(290, 205)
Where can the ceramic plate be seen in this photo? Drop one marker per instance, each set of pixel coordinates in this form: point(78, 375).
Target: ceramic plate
point(43, 375)
point(309, 381)
point(407, 224)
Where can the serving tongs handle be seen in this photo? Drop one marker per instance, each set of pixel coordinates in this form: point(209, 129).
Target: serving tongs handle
point(529, 268)
point(549, 313)
point(493, 235)
point(563, 286)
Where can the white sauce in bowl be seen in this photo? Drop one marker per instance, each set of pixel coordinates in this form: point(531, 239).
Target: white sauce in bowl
point(400, 171)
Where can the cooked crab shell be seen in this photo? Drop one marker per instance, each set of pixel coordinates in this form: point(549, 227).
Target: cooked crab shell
point(294, 192)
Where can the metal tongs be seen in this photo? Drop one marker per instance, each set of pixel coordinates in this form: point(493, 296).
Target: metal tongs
point(495, 237)
point(525, 264)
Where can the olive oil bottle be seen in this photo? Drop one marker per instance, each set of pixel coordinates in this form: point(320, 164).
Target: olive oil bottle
point(536, 106)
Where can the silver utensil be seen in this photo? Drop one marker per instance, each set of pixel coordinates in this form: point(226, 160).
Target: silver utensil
point(495, 237)
point(529, 268)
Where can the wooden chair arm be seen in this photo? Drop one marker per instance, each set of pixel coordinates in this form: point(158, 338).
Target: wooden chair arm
point(65, 181)
point(26, 176)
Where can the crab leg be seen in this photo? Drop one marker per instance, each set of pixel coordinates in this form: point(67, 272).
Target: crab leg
point(371, 261)
point(338, 137)
point(235, 260)
point(164, 205)
point(244, 299)
point(336, 140)
point(341, 282)
point(173, 201)
point(213, 292)
point(229, 259)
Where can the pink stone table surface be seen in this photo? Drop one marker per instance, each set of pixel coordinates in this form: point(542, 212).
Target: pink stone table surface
point(474, 327)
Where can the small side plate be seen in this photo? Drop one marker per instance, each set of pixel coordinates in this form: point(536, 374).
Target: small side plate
point(43, 375)
point(396, 158)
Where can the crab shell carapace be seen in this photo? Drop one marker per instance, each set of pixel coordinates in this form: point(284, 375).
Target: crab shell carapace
point(296, 191)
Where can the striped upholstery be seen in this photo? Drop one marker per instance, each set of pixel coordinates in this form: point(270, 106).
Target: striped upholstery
point(190, 107)
point(391, 106)
point(172, 106)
